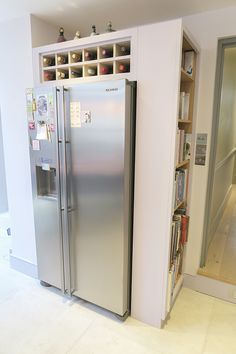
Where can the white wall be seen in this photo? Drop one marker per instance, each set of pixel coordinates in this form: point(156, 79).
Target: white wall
point(3, 186)
point(159, 57)
point(17, 75)
point(207, 28)
point(42, 32)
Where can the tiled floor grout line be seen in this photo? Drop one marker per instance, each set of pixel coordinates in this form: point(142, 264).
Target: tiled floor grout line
point(81, 335)
point(208, 326)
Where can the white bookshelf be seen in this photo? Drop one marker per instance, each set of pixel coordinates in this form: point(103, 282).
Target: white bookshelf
point(187, 85)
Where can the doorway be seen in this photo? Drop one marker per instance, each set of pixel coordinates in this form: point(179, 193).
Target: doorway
point(218, 260)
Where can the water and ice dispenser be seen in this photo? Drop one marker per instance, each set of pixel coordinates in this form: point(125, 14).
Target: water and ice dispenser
point(46, 181)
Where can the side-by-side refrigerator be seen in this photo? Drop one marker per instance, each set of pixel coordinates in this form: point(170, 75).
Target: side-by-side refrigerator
point(82, 167)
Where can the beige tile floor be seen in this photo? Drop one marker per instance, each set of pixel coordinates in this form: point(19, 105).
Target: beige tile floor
point(221, 256)
point(35, 320)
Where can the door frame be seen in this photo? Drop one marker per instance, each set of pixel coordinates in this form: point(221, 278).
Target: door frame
point(222, 45)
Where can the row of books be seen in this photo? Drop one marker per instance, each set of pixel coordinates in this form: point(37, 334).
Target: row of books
point(180, 187)
point(184, 99)
point(183, 146)
point(179, 234)
point(179, 237)
point(174, 272)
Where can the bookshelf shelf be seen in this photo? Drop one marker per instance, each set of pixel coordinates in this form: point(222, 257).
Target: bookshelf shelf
point(182, 121)
point(184, 163)
point(180, 205)
point(185, 77)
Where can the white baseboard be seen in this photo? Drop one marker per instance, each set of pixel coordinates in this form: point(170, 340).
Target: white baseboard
point(211, 287)
point(23, 266)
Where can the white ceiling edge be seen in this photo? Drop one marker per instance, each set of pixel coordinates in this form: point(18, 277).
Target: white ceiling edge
point(82, 14)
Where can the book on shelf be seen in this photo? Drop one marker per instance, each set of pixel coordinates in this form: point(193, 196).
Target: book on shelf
point(181, 211)
point(177, 147)
point(181, 183)
point(172, 241)
point(177, 222)
point(187, 146)
point(175, 238)
point(184, 100)
point(183, 146)
point(189, 62)
point(173, 276)
point(179, 237)
point(184, 228)
point(169, 291)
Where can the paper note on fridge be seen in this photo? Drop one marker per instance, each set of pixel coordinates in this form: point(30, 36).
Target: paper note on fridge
point(35, 145)
point(42, 131)
point(75, 120)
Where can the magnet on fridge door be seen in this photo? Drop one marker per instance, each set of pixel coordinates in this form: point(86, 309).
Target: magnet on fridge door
point(36, 145)
point(42, 105)
point(29, 104)
point(75, 115)
point(43, 131)
point(86, 117)
point(50, 104)
point(32, 125)
point(52, 127)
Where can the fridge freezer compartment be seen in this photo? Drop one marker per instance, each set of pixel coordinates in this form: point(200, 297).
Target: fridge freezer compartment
point(46, 182)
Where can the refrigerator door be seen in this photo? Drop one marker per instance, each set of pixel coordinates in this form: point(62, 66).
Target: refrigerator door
point(45, 172)
point(100, 202)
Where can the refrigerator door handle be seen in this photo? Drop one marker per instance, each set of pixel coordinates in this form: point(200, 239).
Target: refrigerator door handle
point(65, 187)
point(68, 176)
point(63, 200)
point(68, 170)
point(59, 187)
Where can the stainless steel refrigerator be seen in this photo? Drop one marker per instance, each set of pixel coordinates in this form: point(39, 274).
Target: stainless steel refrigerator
point(82, 166)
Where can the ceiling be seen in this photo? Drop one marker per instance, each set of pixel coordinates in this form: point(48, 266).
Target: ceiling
point(82, 14)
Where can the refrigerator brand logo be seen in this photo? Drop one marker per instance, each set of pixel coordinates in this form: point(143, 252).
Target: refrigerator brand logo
point(112, 89)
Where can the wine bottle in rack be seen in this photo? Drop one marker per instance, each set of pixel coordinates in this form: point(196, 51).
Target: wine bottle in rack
point(76, 57)
point(123, 68)
point(89, 55)
point(124, 50)
point(76, 73)
point(107, 53)
point(62, 75)
point(49, 75)
point(106, 69)
point(48, 61)
point(92, 71)
point(62, 59)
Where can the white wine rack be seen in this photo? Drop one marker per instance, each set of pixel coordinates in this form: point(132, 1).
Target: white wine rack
point(94, 60)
